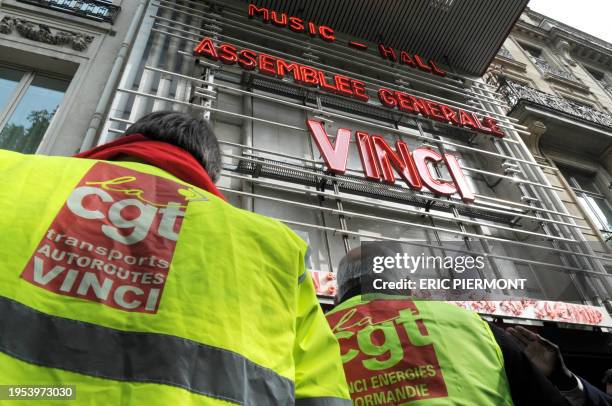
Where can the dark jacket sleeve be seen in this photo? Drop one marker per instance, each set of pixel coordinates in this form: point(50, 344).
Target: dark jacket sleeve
point(594, 396)
point(528, 385)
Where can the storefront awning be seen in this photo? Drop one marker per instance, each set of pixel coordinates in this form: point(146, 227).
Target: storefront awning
point(463, 33)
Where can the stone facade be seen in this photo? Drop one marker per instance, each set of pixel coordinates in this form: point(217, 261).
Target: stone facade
point(75, 46)
point(557, 82)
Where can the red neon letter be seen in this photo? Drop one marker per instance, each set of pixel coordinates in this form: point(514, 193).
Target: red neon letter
point(481, 128)
point(296, 24)
point(327, 33)
point(267, 64)
point(421, 106)
point(436, 70)
point(366, 154)
point(421, 156)
point(207, 48)
point(403, 163)
point(422, 65)
point(279, 23)
point(405, 102)
point(247, 59)
point(387, 52)
point(387, 98)
point(492, 124)
point(435, 111)
point(310, 76)
point(406, 59)
point(449, 114)
point(359, 90)
point(459, 178)
point(228, 54)
point(312, 30)
point(335, 157)
point(466, 120)
point(326, 86)
point(254, 10)
point(343, 84)
point(282, 67)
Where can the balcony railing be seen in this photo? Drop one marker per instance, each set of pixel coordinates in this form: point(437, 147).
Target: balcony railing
point(605, 85)
point(503, 52)
point(545, 68)
point(513, 92)
point(93, 9)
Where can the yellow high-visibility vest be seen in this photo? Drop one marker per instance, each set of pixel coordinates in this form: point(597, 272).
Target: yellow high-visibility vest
point(141, 289)
point(398, 351)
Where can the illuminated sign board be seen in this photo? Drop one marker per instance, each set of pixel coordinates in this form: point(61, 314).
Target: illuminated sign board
point(380, 161)
point(343, 85)
point(298, 25)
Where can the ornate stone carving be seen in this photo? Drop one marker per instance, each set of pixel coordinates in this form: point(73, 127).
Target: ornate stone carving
point(44, 33)
point(545, 68)
point(563, 47)
point(505, 53)
point(536, 129)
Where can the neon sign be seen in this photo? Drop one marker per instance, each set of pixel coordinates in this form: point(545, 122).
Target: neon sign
point(344, 85)
point(380, 161)
point(299, 25)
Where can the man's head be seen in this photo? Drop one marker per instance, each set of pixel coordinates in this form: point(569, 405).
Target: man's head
point(194, 135)
point(607, 381)
point(356, 273)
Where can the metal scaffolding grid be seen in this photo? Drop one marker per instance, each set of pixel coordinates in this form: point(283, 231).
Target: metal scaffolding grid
point(174, 27)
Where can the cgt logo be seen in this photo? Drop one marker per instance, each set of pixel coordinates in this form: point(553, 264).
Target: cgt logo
point(113, 240)
point(134, 215)
point(380, 161)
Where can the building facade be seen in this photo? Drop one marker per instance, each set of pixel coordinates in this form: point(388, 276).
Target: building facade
point(348, 124)
point(557, 82)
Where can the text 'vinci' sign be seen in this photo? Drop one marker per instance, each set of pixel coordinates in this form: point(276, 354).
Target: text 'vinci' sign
point(380, 161)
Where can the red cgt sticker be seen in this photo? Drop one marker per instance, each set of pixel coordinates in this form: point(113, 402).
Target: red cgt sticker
point(389, 357)
point(113, 240)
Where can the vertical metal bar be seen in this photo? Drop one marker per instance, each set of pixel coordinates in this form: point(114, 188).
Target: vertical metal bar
point(247, 139)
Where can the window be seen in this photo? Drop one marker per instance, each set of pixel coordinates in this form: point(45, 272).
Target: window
point(531, 50)
point(597, 75)
point(600, 78)
point(28, 101)
point(592, 200)
point(100, 10)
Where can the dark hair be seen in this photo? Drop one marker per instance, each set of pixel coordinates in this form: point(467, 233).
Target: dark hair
point(607, 377)
point(355, 276)
point(194, 135)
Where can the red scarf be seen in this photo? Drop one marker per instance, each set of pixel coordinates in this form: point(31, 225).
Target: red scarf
point(170, 158)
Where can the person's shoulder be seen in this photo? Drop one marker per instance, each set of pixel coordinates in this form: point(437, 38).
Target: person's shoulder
point(7, 155)
point(595, 396)
point(265, 225)
point(31, 162)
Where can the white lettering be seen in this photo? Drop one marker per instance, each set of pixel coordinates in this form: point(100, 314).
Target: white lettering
point(152, 299)
point(44, 279)
point(75, 202)
point(120, 296)
point(141, 224)
point(69, 281)
point(90, 280)
point(169, 215)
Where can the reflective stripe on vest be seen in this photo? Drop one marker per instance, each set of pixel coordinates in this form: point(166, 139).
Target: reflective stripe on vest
point(91, 349)
point(323, 402)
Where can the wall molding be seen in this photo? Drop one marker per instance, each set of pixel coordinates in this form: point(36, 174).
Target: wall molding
point(44, 33)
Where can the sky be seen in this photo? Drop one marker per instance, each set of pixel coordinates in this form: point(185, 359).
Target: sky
point(591, 16)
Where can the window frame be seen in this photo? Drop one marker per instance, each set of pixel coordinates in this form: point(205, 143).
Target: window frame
point(581, 193)
point(22, 87)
